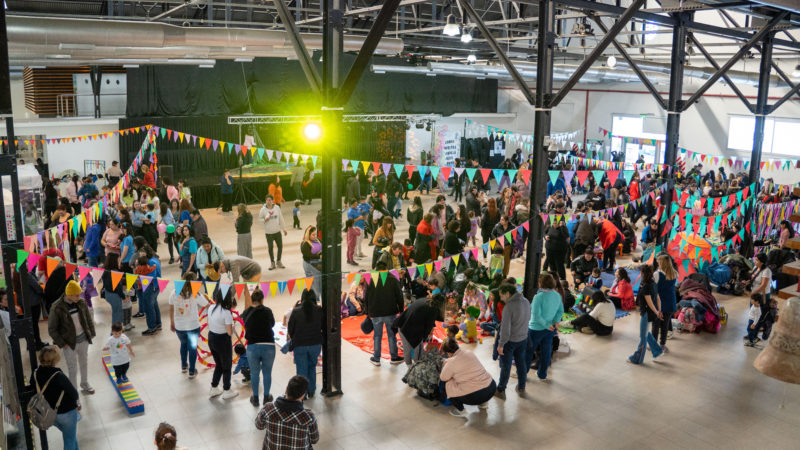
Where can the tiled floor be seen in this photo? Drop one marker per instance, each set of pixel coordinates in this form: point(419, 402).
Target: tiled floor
point(704, 393)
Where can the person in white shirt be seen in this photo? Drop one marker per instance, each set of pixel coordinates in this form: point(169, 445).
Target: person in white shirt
point(753, 315)
point(220, 329)
point(599, 321)
point(184, 314)
point(273, 226)
point(120, 350)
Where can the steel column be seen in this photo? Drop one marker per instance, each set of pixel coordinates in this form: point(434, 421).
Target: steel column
point(96, 76)
point(762, 107)
point(544, 92)
point(331, 215)
point(596, 52)
point(674, 104)
point(299, 48)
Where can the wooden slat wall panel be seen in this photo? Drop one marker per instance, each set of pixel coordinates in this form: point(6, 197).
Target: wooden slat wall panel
point(43, 86)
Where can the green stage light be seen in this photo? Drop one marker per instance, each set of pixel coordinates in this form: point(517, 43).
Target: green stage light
point(312, 131)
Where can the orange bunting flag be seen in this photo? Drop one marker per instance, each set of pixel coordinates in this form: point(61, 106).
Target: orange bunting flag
point(309, 282)
point(196, 286)
point(51, 265)
point(239, 289)
point(116, 277)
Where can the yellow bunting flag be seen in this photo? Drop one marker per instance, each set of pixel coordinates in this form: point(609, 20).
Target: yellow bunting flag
point(273, 287)
point(130, 278)
point(429, 268)
point(210, 286)
point(299, 284)
point(456, 258)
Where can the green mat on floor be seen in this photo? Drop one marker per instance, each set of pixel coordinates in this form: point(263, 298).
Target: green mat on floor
point(567, 330)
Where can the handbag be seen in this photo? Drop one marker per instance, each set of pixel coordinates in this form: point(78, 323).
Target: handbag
point(366, 325)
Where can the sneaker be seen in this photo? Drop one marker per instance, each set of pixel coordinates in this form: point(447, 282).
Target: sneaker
point(749, 344)
point(670, 334)
point(254, 401)
point(87, 389)
point(484, 405)
point(120, 381)
point(458, 413)
point(148, 332)
point(171, 261)
point(229, 394)
point(521, 392)
point(352, 263)
point(125, 379)
point(184, 369)
point(756, 340)
point(192, 374)
point(587, 330)
point(158, 328)
point(396, 360)
point(565, 324)
point(268, 399)
point(544, 380)
point(500, 394)
point(128, 327)
point(310, 395)
point(375, 361)
point(138, 315)
point(271, 266)
point(664, 349)
point(215, 391)
point(280, 265)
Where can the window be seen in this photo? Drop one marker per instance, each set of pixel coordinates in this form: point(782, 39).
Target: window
point(633, 127)
point(780, 135)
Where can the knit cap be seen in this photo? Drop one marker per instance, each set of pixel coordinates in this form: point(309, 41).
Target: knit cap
point(73, 288)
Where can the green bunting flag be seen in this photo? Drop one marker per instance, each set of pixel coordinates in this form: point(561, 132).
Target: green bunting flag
point(553, 175)
point(598, 175)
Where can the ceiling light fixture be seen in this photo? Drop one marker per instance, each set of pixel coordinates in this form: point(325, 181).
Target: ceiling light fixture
point(466, 36)
point(611, 62)
point(796, 72)
point(471, 58)
point(451, 28)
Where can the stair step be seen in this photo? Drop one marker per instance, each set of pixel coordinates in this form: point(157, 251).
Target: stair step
point(792, 268)
point(793, 243)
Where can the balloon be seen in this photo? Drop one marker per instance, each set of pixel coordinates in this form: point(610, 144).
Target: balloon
point(170, 229)
point(162, 228)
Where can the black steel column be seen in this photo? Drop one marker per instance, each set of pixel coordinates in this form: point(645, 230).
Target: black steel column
point(96, 76)
point(674, 107)
point(762, 107)
point(544, 91)
point(331, 224)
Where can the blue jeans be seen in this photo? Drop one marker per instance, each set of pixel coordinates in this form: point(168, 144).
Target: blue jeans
point(148, 304)
point(67, 423)
point(188, 340)
point(537, 338)
point(751, 333)
point(94, 261)
point(305, 358)
point(260, 357)
point(645, 338)
point(513, 351)
point(377, 336)
point(115, 301)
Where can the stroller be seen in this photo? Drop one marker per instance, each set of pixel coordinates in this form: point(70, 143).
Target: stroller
point(740, 274)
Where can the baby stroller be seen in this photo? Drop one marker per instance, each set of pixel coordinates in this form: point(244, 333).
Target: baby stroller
point(740, 274)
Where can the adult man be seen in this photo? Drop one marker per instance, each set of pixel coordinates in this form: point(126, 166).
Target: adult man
point(458, 183)
point(226, 191)
point(199, 226)
point(392, 257)
point(582, 266)
point(114, 173)
point(71, 326)
point(512, 340)
point(584, 236)
point(384, 302)
point(88, 190)
point(449, 213)
point(296, 180)
point(239, 269)
point(273, 226)
point(597, 198)
point(147, 177)
point(288, 424)
point(546, 312)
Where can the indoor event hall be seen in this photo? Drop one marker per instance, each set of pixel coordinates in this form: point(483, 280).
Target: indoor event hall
point(400, 224)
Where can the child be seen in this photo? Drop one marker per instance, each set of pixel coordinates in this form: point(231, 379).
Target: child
point(475, 297)
point(569, 299)
point(121, 351)
point(296, 215)
point(451, 311)
point(496, 262)
point(89, 291)
point(408, 249)
point(753, 314)
point(353, 232)
point(127, 310)
point(594, 279)
point(433, 288)
point(768, 319)
point(469, 327)
point(473, 229)
point(452, 331)
point(242, 365)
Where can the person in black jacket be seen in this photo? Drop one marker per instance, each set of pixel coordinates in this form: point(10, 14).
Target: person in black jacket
point(393, 192)
point(258, 323)
point(557, 246)
point(416, 323)
point(55, 285)
point(33, 292)
point(384, 302)
point(582, 266)
point(305, 331)
point(471, 200)
point(414, 216)
point(54, 384)
point(452, 244)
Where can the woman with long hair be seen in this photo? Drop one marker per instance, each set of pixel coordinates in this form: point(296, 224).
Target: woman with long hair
point(187, 249)
point(183, 317)
point(113, 295)
point(665, 279)
point(414, 217)
point(425, 244)
point(258, 323)
point(73, 188)
point(244, 240)
point(60, 394)
point(621, 292)
point(186, 212)
point(787, 232)
point(305, 334)
point(490, 218)
point(311, 248)
point(383, 238)
point(220, 329)
point(168, 219)
point(649, 310)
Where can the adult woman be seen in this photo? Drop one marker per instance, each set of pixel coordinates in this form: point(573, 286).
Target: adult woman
point(187, 250)
point(244, 240)
point(186, 212)
point(170, 189)
point(129, 195)
point(787, 232)
point(414, 217)
point(185, 192)
point(220, 329)
point(465, 225)
point(649, 310)
point(50, 199)
point(113, 295)
point(126, 248)
point(500, 229)
point(466, 381)
point(557, 245)
point(438, 223)
point(490, 218)
point(111, 239)
point(384, 237)
point(416, 324)
point(425, 245)
point(183, 321)
point(452, 244)
point(305, 331)
point(311, 249)
point(258, 323)
point(547, 309)
point(761, 277)
point(600, 320)
point(207, 254)
point(665, 279)
point(621, 292)
point(60, 394)
point(355, 297)
point(168, 219)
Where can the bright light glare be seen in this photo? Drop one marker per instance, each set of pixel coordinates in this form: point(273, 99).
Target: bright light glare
point(312, 131)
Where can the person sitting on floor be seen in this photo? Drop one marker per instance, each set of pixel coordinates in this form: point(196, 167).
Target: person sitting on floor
point(600, 320)
point(621, 292)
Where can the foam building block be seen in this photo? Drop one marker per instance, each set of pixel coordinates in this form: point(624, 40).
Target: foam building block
point(133, 403)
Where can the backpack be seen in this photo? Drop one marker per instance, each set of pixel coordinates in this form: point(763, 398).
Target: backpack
point(41, 413)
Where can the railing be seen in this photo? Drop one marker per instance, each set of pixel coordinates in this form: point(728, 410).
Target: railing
point(82, 105)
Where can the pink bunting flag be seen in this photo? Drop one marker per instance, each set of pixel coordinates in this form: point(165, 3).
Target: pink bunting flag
point(82, 272)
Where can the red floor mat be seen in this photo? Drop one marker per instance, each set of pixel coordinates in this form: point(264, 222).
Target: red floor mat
point(351, 332)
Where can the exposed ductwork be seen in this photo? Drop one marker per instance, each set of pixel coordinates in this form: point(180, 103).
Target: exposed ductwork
point(80, 41)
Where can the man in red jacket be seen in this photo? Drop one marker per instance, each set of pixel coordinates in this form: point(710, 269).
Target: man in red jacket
point(610, 238)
